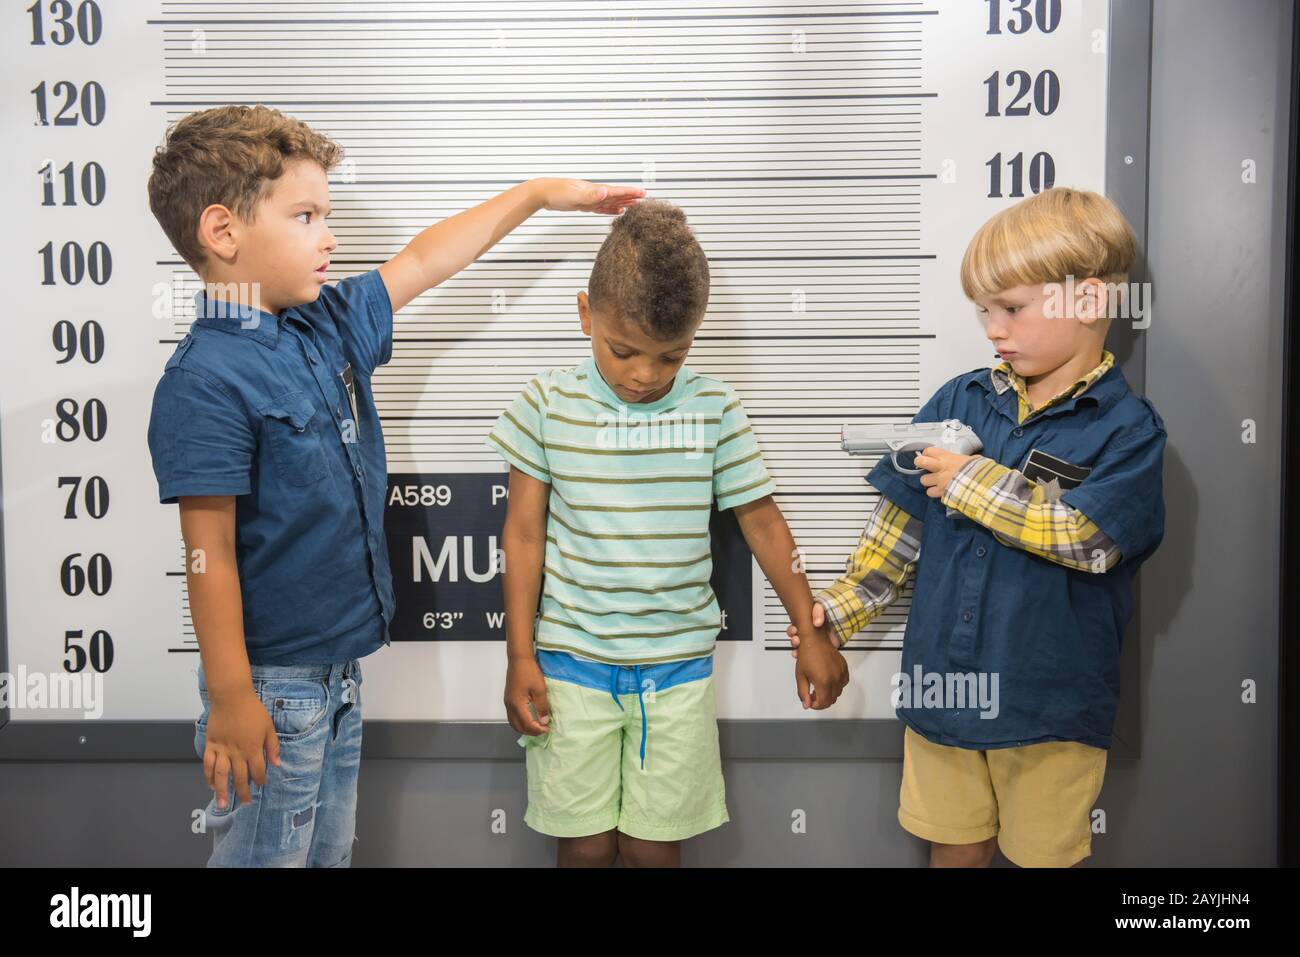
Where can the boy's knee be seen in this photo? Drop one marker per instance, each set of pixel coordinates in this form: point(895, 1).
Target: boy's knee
point(979, 854)
point(638, 853)
point(593, 850)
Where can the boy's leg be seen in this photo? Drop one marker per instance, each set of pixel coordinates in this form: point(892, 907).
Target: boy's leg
point(594, 850)
point(573, 773)
point(963, 855)
point(1046, 793)
point(275, 829)
point(638, 853)
point(947, 798)
point(336, 808)
point(680, 792)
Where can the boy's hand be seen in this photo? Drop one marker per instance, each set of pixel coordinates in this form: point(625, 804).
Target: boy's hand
point(525, 683)
point(818, 620)
point(581, 196)
point(239, 730)
point(942, 466)
point(823, 667)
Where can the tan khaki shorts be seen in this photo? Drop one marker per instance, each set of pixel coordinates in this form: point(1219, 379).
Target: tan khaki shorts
point(1035, 799)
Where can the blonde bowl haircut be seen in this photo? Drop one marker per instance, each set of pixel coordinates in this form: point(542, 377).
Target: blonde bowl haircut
point(1046, 238)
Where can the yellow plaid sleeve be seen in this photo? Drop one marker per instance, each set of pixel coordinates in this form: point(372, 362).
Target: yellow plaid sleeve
point(875, 572)
point(1017, 511)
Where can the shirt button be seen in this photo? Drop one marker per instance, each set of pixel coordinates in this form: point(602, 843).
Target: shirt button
point(1018, 431)
point(311, 358)
point(358, 470)
point(980, 551)
point(966, 616)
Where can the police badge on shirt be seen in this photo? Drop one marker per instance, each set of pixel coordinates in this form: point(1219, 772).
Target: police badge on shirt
point(1056, 474)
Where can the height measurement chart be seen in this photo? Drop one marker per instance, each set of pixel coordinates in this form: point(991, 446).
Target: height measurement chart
point(833, 159)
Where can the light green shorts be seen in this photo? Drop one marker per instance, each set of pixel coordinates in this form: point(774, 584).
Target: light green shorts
point(585, 774)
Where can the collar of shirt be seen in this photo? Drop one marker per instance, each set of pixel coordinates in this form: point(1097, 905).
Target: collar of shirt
point(602, 391)
point(1003, 377)
point(236, 318)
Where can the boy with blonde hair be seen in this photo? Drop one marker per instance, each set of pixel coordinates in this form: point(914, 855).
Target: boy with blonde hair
point(1026, 590)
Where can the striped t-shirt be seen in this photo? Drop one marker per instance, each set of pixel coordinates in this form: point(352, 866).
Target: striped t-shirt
point(628, 561)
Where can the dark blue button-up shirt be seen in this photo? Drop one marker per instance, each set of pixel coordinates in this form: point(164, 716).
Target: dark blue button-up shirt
point(1050, 634)
point(256, 406)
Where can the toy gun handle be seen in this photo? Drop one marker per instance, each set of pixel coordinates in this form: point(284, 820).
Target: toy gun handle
point(909, 447)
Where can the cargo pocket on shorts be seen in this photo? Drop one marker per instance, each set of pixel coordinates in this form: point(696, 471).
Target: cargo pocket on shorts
point(537, 758)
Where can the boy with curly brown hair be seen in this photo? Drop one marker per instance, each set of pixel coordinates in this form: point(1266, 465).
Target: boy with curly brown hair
point(264, 430)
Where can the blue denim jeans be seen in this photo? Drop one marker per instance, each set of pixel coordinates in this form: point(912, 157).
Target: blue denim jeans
point(305, 814)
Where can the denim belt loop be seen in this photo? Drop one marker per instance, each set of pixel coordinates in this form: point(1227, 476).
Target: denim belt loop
point(349, 686)
point(348, 699)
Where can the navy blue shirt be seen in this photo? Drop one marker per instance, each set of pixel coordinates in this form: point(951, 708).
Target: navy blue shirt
point(257, 406)
point(1051, 634)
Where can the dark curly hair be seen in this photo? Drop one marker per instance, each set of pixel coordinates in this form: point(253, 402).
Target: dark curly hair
point(651, 271)
point(230, 155)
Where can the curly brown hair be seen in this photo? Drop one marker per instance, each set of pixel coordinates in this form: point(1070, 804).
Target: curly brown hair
point(229, 155)
point(651, 271)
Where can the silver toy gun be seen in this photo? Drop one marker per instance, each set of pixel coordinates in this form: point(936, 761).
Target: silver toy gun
point(893, 438)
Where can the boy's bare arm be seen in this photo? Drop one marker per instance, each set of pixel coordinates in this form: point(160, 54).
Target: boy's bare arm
point(524, 544)
point(239, 728)
point(216, 605)
point(820, 662)
point(445, 248)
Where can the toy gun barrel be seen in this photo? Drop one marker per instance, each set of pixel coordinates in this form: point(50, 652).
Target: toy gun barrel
point(878, 439)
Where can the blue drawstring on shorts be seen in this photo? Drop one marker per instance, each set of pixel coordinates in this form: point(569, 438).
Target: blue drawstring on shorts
point(602, 677)
point(640, 696)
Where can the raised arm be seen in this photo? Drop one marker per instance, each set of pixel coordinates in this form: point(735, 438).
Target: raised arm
point(444, 249)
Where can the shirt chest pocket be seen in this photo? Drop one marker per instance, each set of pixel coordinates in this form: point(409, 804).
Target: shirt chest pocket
point(1067, 472)
point(295, 444)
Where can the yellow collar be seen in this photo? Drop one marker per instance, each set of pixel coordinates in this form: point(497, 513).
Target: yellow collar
point(1004, 377)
